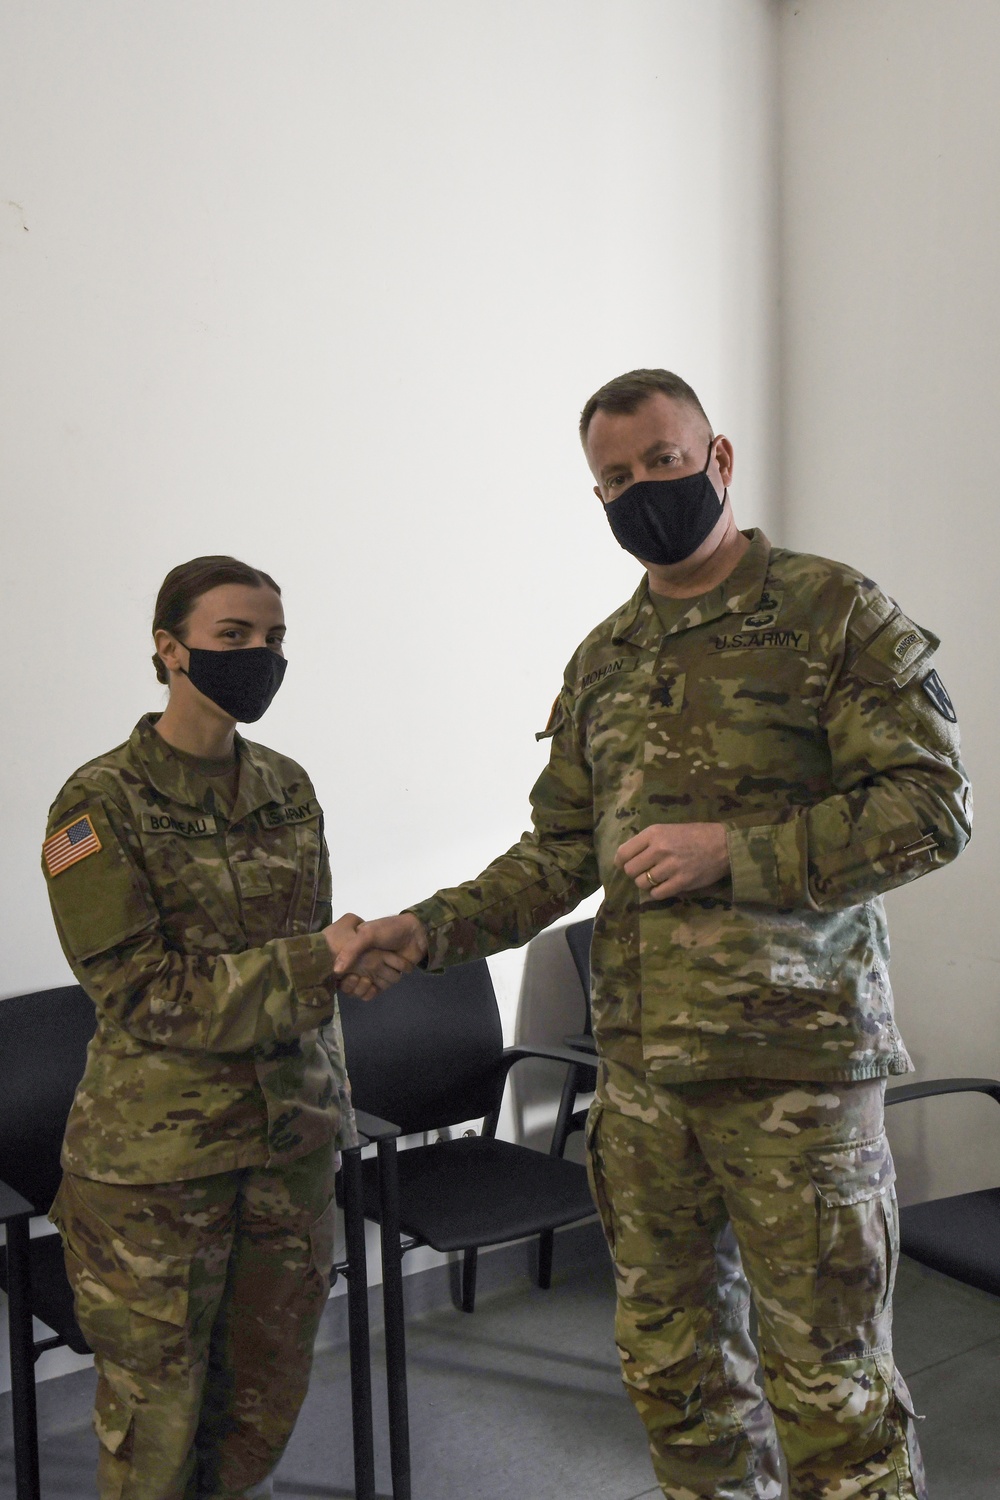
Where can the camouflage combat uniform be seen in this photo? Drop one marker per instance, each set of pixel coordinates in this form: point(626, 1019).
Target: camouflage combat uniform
point(745, 1030)
point(197, 1207)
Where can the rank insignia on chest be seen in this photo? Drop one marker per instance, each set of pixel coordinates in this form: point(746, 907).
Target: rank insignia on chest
point(70, 844)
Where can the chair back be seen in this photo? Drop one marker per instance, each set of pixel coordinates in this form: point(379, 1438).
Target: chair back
point(579, 936)
point(425, 1054)
point(43, 1051)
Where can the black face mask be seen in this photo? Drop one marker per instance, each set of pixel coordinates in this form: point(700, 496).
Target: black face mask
point(241, 683)
point(665, 520)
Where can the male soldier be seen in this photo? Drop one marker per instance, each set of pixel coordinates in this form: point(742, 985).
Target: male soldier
point(746, 756)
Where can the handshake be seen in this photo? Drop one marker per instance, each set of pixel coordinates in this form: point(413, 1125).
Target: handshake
point(369, 956)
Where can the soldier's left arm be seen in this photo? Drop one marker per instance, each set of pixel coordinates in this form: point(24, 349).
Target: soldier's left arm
point(902, 802)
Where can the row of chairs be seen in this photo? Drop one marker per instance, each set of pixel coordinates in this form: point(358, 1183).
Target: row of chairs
point(428, 1057)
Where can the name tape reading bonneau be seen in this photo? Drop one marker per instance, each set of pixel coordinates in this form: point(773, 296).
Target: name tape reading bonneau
point(189, 828)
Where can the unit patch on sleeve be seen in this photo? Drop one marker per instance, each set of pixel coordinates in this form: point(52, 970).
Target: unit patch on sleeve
point(938, 694)
point(70, 844)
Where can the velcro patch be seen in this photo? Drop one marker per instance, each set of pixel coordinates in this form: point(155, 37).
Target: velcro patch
point(605, 670)
point(553, 721)
point(292, 812)
point(199, 825)
point(68, 845)
point(938, 694)
point(253, 878)
point(756, 640)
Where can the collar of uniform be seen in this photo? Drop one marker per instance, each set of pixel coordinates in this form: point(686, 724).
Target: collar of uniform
point(639, 624)
point(170, 775)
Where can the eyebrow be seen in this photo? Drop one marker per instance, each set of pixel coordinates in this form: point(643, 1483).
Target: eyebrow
point(248, 624)
point(647, 454)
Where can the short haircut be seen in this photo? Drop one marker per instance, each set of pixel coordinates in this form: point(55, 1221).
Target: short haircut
point(184, 586)
point(626, 393)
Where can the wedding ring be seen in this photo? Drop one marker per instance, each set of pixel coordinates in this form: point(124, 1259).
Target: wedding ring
point(650, 881)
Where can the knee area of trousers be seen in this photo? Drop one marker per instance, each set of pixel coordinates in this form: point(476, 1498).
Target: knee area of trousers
point(856, 1405)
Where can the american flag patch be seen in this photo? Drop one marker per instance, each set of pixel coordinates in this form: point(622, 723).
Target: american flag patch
point(71, 843)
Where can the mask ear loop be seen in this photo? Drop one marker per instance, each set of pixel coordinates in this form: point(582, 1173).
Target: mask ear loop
point(725, 489)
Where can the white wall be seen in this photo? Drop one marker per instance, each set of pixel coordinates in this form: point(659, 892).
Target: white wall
point(891, 358)
point(326, 285)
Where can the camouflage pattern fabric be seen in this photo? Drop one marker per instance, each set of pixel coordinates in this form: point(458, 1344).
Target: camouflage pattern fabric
point(804, 1177)
point(200, 1299)
point(796, 705)
point(196, 930)
point(738, 1025)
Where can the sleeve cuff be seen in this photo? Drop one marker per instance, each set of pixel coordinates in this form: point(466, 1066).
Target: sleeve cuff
point(768, 865)
point(435, 915)
point(311, 965)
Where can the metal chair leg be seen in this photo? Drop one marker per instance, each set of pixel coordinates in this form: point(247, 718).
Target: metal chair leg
point(470, 1265)
point(358, 1329)
point(395, 1333)
point(22, 1360)
point(560, 1135)
point(546, 1243)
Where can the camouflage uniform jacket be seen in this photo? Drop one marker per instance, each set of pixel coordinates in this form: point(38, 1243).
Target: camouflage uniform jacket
point(796, 705)
point(197, 936)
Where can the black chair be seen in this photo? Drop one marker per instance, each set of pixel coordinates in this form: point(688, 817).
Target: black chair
point(959, 1236)
point(43, 1048)
point(583, 1078)
point(429, 1056)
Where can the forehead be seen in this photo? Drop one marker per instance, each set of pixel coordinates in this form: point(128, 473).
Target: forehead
point(238, 601)
point(617, 437)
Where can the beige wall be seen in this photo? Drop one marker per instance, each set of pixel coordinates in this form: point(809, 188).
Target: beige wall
point(890, 326)
point(326, 285)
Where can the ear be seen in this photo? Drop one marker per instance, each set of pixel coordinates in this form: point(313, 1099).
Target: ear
point(169, 650)
point(724, 459)
point(597, 492)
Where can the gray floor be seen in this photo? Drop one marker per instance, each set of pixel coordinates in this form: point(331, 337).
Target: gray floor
point(522, 1401)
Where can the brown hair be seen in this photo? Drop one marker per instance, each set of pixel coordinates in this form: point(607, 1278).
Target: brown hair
point(626, 393)
point(184, 586)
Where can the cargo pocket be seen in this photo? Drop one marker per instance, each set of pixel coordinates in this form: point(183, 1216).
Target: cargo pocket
point(597, 1176)
point(321, 1243)
point(113, 1423)
point(858, 1241)
point(131, 1301)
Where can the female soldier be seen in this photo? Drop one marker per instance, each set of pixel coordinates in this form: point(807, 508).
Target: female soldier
point(190, 884)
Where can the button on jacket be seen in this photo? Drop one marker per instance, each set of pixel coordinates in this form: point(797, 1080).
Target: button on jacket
point(196, 931)
point(796, 705)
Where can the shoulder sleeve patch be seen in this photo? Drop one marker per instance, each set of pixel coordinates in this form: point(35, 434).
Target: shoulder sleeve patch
point(69, 844)
point(938, 694)
point(895, 652)
point(97, 898)
point(555, 719)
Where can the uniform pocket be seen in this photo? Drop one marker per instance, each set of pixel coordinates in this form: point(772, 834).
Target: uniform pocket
point(113, 1418)
point(858, 1239)
point(131, 1301)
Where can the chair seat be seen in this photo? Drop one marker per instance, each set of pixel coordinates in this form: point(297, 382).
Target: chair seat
point(51, 1294)
point(477, 1191)
point(959, 1236)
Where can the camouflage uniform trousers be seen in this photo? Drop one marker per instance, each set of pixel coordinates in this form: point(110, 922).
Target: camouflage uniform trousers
point(792, 1181)
point(201, 1300)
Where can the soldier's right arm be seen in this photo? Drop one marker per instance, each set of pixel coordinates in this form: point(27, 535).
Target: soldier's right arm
point(546, 874)
point(214, 1001)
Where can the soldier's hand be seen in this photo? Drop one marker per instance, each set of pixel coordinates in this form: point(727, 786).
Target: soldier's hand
point(402, 939)
point(667, 859)
point(375, 971)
